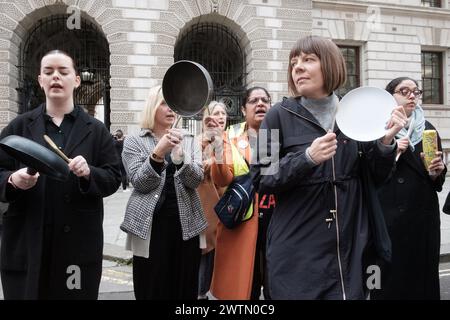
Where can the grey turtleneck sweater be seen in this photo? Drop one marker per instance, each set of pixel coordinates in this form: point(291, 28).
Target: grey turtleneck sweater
point(322, 109)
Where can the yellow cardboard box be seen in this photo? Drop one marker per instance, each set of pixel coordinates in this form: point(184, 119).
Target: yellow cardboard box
point(430, 146)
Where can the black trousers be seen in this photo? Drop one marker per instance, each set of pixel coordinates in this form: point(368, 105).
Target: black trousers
point(205, 272)
point(260, 267)
point(123, 177)
point(171, 271)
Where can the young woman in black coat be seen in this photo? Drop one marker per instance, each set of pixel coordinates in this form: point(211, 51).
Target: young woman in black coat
point(410, 204)
point(52, 241)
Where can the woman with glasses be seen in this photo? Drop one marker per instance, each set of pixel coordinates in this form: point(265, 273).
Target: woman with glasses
point(319, 236)
point(239, 260)
point(411, 208)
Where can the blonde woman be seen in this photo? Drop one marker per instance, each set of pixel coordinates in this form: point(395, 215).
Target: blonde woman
point(239, 262)
point(164, 216)
point(214, 122)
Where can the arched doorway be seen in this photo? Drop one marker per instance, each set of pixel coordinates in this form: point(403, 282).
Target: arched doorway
point(87, 45)
point(217, 48)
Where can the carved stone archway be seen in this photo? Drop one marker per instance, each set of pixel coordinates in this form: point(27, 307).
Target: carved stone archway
point(89, 48)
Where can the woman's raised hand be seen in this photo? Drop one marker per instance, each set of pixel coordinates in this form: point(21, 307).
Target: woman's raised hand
point(213, 130)
point(436, 166)
point(396, 123)
point(168, 141)
point(402, 144)
point(79, 167)
point(323, 148)
point(22, 180)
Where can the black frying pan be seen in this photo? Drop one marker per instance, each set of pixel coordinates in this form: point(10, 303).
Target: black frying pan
point(36, 157)
point(187, 88)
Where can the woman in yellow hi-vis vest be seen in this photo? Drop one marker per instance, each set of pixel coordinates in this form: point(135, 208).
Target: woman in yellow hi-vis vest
point(236, 275)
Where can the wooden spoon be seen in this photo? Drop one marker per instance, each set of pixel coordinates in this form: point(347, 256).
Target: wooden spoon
point(55, 148)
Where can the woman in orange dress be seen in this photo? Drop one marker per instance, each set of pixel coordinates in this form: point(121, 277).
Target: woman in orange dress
point(209, 193)
point(234, 263)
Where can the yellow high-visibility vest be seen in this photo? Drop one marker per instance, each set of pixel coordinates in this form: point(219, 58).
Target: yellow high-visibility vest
point(240, 168)
point(236, 130)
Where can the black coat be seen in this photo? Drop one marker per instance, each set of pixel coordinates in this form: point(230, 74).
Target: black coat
point(118, 145)
point(411, 207)
point(302, 255)
point(77, 226)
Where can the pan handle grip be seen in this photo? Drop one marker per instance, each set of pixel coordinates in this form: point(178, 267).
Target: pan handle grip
point(31, 171)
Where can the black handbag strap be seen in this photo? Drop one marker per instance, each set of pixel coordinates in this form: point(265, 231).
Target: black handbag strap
point(248, 165)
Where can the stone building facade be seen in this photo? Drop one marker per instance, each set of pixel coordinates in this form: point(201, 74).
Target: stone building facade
point(393, 37)
point(142, 35)
point(389, 37)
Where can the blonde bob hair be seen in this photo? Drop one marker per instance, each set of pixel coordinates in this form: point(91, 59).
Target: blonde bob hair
point(154, 100)
point(332, 62)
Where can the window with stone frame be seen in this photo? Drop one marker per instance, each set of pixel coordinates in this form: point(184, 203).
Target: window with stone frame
point(432, 3)
point(432, 81)
point(351, 56)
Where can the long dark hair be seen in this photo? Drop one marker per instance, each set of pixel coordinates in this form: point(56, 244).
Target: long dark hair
point(394, 83)
point(249, 91)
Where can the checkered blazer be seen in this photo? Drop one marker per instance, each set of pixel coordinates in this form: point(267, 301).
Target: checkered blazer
point(148, 186)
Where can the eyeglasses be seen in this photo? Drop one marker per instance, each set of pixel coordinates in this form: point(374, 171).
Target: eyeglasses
point(255, 100)
point(406, 92)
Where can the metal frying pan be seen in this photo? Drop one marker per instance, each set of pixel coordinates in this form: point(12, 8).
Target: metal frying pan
point(187, 88)
point(36, 157)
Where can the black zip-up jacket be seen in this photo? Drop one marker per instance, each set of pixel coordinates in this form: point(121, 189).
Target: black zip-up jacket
point(307, 256)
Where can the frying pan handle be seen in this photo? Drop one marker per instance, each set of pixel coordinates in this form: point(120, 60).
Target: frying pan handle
point(31, 171)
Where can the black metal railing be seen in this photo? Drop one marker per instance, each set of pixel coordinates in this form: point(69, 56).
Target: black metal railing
point(218, 49)
point(86, 45)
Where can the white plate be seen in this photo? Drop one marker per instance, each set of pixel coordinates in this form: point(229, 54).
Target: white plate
point(363, 113)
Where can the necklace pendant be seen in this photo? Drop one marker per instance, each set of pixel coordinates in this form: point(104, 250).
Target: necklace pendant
point(242, 144)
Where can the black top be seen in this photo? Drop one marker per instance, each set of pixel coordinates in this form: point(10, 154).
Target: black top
point(60, 135)
point(168, 201)
point(118, 145)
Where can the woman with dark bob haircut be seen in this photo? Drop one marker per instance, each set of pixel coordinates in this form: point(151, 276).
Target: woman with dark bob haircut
point(319, 235)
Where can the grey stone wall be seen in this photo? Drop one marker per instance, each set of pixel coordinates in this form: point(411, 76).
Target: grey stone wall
point(391, 34)
point(142, 35)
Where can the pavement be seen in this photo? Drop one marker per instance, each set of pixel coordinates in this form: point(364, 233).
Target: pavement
point(114, 238)
point(116, 282)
